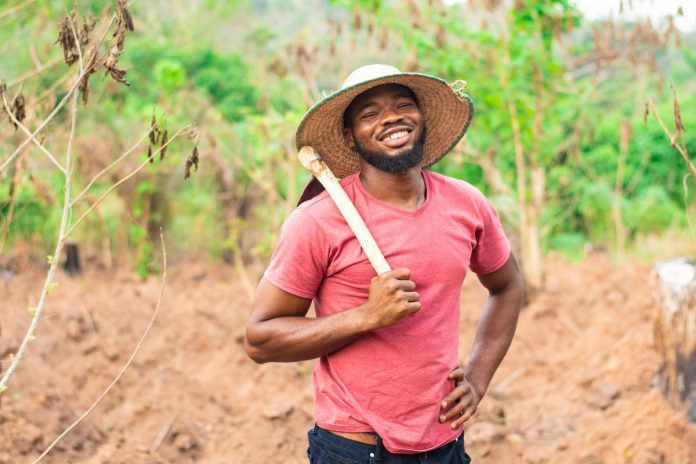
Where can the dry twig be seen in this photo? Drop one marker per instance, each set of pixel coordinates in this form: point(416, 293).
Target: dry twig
point(134, 172)
point(31, 136)
point(15, 9)
point(676, 138)
point(58, 107)
point(125, 367)
point(62, 235)
point(84, 191)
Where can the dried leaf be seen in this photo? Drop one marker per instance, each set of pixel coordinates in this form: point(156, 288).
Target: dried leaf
point(66, 39)
point(191, 161)
point(153, 128)
point(678, 126)
point(149, 154)
point(646, 112)
point(194, 157)
point(124, 16)
point(357, 18)
point(85, 32)
point(90, 68)
point(123, 25)
point(18, 110)
point(165, 142)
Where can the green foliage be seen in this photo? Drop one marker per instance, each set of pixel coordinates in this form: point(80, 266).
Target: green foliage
point(246, 72)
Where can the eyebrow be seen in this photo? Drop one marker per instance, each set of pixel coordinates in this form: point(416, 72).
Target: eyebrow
point(396, 96)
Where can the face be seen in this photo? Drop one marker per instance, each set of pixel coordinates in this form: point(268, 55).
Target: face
point(385, 126)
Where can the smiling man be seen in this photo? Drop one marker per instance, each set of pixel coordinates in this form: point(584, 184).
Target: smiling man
point(388, 386)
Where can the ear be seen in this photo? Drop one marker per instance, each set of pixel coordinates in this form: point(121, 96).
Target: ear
point(348, 138)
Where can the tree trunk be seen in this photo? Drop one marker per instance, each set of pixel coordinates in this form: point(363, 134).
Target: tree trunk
point(532, 256)
point(674, 284)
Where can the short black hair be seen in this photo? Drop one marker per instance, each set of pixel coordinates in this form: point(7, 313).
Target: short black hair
point(346, 113)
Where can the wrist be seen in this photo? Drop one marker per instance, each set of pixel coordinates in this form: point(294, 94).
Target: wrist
point(480, 386)
point(365, 320)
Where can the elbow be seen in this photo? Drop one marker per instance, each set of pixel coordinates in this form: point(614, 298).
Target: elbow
point(254, 349)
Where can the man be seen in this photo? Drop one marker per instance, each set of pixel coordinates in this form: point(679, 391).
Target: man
point(388, 386)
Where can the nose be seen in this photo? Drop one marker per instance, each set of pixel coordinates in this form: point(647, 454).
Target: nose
point(390, 115)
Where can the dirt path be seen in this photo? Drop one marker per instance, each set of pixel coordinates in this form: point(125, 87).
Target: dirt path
point(575, 388)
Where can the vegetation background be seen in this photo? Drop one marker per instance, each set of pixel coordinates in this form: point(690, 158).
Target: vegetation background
point(560, 140)
point(567, 138)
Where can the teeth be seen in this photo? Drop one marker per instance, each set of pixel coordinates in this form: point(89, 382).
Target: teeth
point(396, 135)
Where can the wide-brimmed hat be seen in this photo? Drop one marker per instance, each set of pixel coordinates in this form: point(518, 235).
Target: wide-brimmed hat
point(447, 112)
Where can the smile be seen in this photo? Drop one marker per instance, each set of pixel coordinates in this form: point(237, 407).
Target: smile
point(395, 136)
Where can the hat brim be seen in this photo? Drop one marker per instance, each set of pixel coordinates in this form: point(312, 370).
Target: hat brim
point(447, 114)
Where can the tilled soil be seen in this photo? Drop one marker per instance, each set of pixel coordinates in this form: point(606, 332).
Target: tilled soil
point(578, 385)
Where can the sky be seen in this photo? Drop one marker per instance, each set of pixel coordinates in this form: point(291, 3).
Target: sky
point(657, 9)
point(595, 9)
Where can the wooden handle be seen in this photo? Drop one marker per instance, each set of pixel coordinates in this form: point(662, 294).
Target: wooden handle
point(311, 160)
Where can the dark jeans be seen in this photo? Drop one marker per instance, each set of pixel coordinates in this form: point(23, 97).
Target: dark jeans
point(327, 448)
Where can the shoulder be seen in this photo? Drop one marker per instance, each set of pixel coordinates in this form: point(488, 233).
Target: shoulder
point(455, 187)
point(322, 205)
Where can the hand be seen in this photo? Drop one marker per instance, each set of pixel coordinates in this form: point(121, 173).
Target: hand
point(392, 297)
point(461, 403)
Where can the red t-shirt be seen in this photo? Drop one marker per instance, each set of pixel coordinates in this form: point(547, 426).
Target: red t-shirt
point(390, 380)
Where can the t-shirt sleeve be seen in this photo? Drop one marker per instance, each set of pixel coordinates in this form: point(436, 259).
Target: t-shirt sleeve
point(301, 256)
point(492, 248)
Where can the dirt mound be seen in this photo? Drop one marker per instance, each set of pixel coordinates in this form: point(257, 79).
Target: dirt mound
point(576, 386)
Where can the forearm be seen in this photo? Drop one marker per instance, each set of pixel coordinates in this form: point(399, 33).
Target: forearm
point(493, 335)
point(297, 338)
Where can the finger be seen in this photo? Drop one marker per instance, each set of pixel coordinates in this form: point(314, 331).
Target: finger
point(406, 285)
point(454, 396)
point(457, 374)
point(456, 410)
point(413, 306)
point(468, 413)
point(411, 296)
point(401, 273)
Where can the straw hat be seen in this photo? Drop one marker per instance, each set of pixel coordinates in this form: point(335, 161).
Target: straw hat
point(447, 112)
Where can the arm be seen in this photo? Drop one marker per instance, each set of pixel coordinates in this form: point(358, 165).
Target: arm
point(493, 337)
point(278, 329)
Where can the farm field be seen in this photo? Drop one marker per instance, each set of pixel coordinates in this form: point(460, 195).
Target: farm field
point(576, 386)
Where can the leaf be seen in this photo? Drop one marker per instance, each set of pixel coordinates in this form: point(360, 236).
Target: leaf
point(678, 126)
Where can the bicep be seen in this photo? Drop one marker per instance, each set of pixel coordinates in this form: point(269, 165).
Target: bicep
point(505, 277)
point(271, 302)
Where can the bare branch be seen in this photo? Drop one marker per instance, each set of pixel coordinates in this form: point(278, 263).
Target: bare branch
point(31, 136)
point(673, 137)
point(34, 72)
point(59, 105)
point(118, 160)
point(48, 284)
point(134, 172)
point(15, 9)
point(126, 366)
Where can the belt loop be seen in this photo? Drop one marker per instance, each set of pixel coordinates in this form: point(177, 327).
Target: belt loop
point(378, 449)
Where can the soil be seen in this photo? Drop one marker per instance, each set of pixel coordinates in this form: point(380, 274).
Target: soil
point(578, 385)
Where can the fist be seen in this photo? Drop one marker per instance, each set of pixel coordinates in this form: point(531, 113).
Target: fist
point(392, 297)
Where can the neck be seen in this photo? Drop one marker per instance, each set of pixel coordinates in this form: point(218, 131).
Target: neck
point(405, 190)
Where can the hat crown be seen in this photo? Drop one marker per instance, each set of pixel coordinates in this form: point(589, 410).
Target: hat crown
point(368, 73)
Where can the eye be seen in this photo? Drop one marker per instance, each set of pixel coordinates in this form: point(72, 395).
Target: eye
point(368, 115)
point(405, 105)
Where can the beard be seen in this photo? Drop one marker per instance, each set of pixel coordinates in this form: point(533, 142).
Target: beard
point(396, 163)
